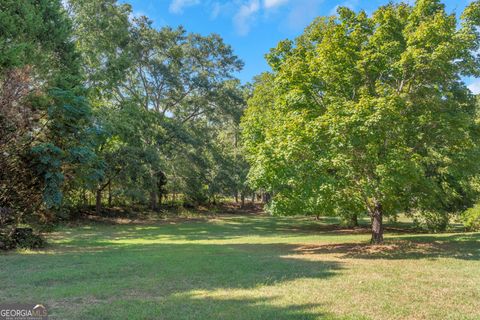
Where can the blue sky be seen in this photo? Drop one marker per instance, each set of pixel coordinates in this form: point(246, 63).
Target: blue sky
point(252, 27)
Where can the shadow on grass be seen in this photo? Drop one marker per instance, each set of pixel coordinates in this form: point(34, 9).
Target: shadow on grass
point(229, 226)
point(107, 272)
point(162, 278)
point(399, 245)
point(458, 246)
point(219, 228)
point(190, 306)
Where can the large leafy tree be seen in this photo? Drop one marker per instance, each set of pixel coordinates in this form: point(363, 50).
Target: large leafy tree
point(369, 114)
point(183, 81)
point(156, 95)
point(102, 31)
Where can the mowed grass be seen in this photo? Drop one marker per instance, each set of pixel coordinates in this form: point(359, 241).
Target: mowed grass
point(246, 267)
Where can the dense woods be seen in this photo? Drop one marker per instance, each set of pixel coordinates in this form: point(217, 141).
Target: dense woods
point(360, 115)
point(99, 107)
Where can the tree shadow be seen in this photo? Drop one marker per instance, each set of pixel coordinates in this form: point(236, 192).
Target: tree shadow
point(220, 228)
point(90, 280)
point(457, 246)
point(230, 227)
point(399, 245)
point(99, 268)
point(190, 306)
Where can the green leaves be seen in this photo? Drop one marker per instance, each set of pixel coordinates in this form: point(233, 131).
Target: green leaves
point(160, 99)
point(44, 119)
point(365, 110)
point(48, 159)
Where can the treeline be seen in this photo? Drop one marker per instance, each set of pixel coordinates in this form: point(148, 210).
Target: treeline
point(97, 103)
point(360, 115)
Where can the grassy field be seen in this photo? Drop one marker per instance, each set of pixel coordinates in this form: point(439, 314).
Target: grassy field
point(246, 267)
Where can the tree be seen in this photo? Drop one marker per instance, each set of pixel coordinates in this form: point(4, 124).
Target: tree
point(369, 114)
point(156, 95)
point(181, 79)
point(102, 31)
point(43, 114)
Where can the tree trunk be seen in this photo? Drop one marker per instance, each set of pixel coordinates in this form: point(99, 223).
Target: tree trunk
point(236, 196)
point(253, 198)
point(266, 197)
point(110, 195)
point(98, 202)
point(242, 197)
point(153, 201)
point(377, 224)
point(353, 221)
point(85, 198)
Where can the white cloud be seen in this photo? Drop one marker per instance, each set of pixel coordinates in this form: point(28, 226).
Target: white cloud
point(177, 6)
point(268, 4)
point(475, 86)
point(333, 11)
point(216, 9)
point(303, 14)
point(245, 16)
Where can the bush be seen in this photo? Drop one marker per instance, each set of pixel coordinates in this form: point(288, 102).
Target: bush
point(432, 221)
point(25, 238)
point(471, 218)
point(6, 242)
point(21, 238)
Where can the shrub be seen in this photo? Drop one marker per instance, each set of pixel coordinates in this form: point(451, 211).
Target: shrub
point(21, 238)
point(25, 238)
point(6, 242)
point(432, 221)
point(471, 218)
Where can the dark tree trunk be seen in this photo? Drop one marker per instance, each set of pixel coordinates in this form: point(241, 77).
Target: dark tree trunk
point(84, 198)
point(266, 197)
point(354, 221)
point(110, 195)
point(153, 201)
point(377, 224)
point(253, 198)
point(242, 197)
point(98, 202)
point(236, 196)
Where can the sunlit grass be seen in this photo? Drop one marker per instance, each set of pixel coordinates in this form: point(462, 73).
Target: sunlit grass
point(246, 267)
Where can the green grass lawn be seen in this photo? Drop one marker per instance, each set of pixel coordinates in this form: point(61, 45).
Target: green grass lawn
point(246, 267)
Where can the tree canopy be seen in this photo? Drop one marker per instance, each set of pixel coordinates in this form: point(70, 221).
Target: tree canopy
point(369, 114)
point(360, 114)
point(94, 101)
point(44, 117)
